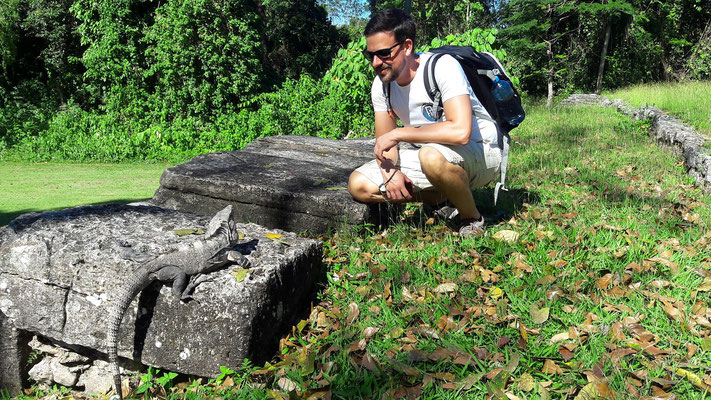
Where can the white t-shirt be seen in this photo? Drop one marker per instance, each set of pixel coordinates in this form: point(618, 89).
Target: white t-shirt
point(411, 102)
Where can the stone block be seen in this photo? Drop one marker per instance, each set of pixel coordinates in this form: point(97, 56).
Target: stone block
point(349, 153)
point(60, 270)
point(295, 183)
point(13, 357)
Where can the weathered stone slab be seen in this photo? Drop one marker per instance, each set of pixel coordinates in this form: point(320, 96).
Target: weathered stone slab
point(295, 183)
point(349, 153)
point(60, 270)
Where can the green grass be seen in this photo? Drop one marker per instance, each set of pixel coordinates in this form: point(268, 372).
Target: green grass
point(28, 187)
point(609, 277)
point(690, 101)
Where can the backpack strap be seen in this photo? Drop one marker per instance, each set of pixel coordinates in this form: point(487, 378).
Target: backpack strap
point(431, 86)
point(386, 91)
point(505, 138)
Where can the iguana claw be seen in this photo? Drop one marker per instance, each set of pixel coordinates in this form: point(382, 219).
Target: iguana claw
point(195, 280)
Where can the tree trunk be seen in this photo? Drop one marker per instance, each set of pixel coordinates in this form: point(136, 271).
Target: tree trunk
point(551, 74)
point(665, 67)
point(601, 69)
point(408, 7)
point(549, 51)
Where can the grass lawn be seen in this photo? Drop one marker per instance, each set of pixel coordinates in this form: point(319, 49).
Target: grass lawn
point(594, 283)
point(690, 101)
point(27, 187)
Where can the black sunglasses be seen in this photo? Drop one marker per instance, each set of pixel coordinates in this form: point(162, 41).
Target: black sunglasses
point(382, 53)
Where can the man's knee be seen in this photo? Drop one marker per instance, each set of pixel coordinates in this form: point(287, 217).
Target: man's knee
point(360, 187)
point(432, 161)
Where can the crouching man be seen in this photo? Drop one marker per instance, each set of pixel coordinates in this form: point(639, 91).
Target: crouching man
point(456, 153)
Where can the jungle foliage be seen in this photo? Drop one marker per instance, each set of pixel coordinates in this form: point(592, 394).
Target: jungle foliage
point(147, 79)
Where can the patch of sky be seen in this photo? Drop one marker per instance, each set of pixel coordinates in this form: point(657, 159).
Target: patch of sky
point(342, 11)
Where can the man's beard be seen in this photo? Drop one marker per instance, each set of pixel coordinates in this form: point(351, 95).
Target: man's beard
point(390, 74)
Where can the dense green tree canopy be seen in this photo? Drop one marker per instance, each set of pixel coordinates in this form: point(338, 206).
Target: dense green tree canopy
point(299, 37)
point(139, 78)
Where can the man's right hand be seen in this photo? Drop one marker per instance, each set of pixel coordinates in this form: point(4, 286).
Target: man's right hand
point(399, 187)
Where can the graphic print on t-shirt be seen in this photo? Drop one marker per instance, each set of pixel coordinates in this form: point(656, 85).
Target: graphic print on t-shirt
point(428, 112)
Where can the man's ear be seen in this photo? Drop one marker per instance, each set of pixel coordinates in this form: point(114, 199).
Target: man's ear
point(409, 47)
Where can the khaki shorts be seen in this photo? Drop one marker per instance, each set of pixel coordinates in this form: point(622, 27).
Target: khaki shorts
point(481, 161)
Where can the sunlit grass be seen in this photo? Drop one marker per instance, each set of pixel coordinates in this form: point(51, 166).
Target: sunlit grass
point(27, 187)
point(690, 101)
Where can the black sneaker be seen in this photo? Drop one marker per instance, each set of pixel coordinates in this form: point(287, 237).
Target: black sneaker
point(472, 227)
point(445, 211)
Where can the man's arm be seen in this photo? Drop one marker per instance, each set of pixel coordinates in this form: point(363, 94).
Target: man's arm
point(455, 130)
point(396, 183)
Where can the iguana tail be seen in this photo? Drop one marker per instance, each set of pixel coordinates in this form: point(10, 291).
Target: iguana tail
point(138, 281)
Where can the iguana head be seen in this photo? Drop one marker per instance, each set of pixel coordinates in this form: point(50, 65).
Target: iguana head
point(222, 223)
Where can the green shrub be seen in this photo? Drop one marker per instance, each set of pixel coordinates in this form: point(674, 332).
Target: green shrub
point(172, 123)
point(24, 112)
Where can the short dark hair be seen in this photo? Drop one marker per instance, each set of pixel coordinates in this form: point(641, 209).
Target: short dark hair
point(392, 20)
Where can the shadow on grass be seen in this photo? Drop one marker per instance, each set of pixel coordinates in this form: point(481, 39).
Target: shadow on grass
point(7, 217)
point(509, 202)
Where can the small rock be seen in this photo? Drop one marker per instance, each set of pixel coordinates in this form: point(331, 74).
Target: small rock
point(42, 372)
point(63, 375)
point(49, 371)
point(97, 379)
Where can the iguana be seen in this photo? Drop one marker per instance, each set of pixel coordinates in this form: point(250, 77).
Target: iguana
point(201, 256)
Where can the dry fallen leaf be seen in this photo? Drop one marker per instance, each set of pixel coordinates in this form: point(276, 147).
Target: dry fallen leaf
point(496, 292)
point(525, 382)
point(569, 309)
point(506, 236)
point(240, 273)
point(550, 367)
point(546, 280)
point(558, 263)
point(445, 288)
point(353, 312)
point(369, 332)
point(560, 337)
point(691, 350)
point(604, 282)
point(565, 353)
point(539, 315)
point(671, 311)
point(286, 384)
point(596, 391)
